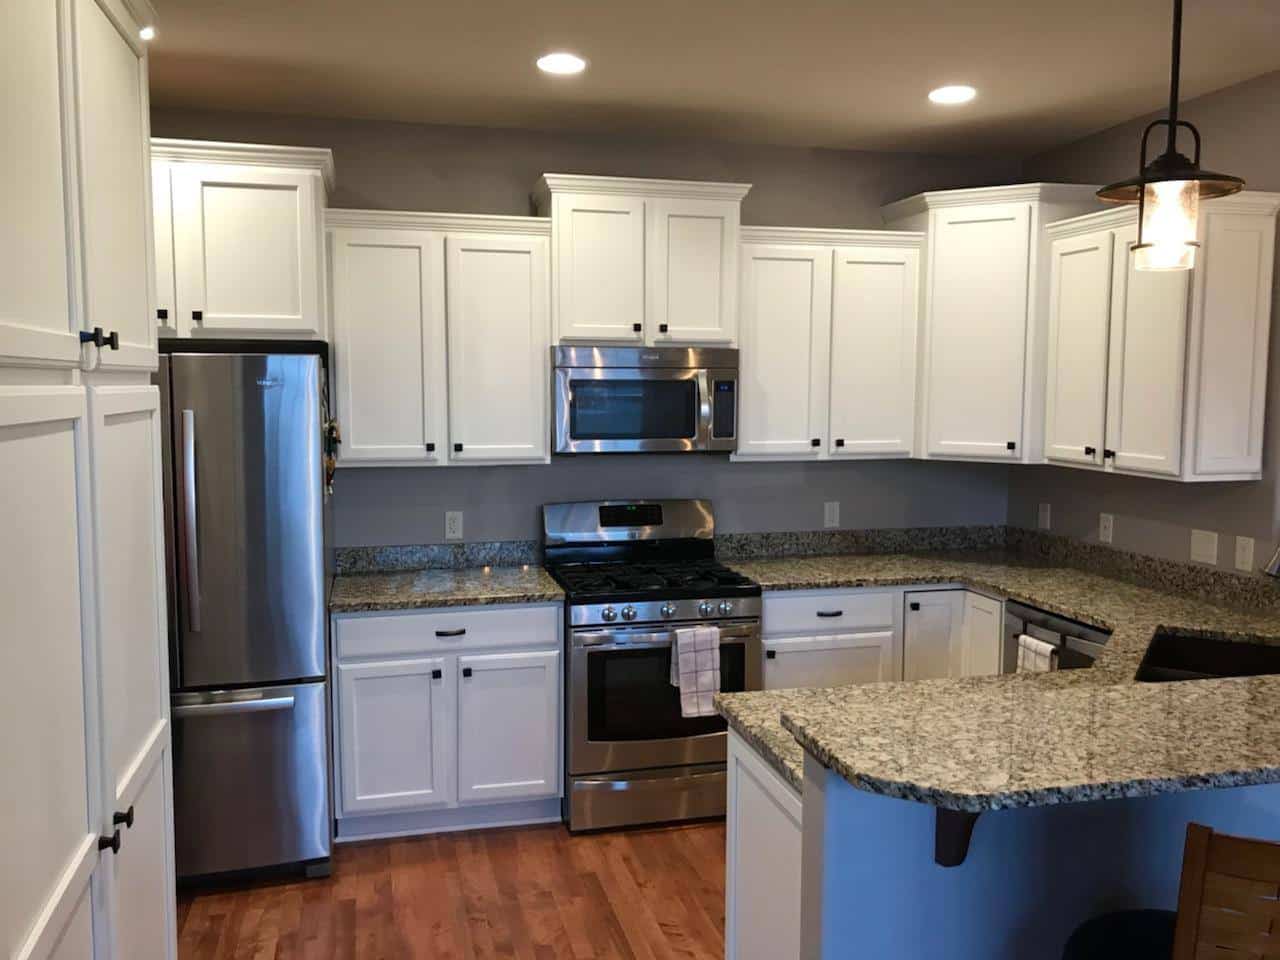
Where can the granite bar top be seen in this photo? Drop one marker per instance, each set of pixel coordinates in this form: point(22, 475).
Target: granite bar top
point(1024, 740)
point(418, 589)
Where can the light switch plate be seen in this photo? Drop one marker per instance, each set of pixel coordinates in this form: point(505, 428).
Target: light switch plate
point(1106, 527)
point(1045, 515)
point(1244, 554)
point(453, 524)
point(1204, 547)
point(831, 514)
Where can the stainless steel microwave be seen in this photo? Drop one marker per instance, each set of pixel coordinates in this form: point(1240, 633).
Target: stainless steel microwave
point(645, 399)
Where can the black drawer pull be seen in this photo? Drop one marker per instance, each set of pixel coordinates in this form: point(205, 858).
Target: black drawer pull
point(126, 818)
point(840, 441)
point(1011, 445)
point(771, 654)
point(636, 327)
point(1108, 454)
point(827, 614)
point(197, 315)
point(662, 328)
point(111, 843)
point(1090, 451)
point(431, 448)
point(466, 671)
point(815, 442)
point(914, 606)
point(437, 674)
point(451, 633)
point(162, 314)
point(457, 448)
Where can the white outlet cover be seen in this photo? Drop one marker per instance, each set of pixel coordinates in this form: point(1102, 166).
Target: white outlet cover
point(1106, 527)
point(831, 514)
point(1204, 547)
point(1045, 516)
point(1244, 554)
point(453, 525)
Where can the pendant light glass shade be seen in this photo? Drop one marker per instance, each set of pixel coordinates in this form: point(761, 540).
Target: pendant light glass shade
point(1169, 212)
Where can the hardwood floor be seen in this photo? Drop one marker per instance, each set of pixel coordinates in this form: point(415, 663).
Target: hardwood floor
point(526, 892)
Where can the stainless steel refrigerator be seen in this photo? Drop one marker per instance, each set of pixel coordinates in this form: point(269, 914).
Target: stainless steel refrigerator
point(244, 477)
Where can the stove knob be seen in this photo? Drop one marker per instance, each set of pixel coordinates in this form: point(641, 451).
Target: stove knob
point(608, 614)
point(706, 608)
point(667, 609)
point(725, 607)
point(628, 612)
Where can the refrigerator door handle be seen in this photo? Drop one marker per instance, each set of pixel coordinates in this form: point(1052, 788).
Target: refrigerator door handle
point(190, 527)
point(221, 708)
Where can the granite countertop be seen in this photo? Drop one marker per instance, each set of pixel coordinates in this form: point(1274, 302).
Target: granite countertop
point(1024, 740)
point(417, 589)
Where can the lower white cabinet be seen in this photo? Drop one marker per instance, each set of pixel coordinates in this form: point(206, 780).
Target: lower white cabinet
point(951, 633)
point(983, 634)
point(829, 661)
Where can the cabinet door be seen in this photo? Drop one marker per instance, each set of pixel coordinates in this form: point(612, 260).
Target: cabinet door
point(693, 269)
point(389, 345)
point(786, 322)
point(37, 321)
point(830, 661)
point(162, 224)
point(599, 271)
point(143, 920)
point(976, 331)
point(499, 332)
point(508, 726)
point(246, 250)
point(983, 635)
point(1079, 318)
point(395, 734)
point(931, 636)
point(874, 317)
point(115, 181)
point(1148, 350)
point(50, 825)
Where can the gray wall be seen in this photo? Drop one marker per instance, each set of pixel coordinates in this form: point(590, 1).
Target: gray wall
point(1241, 130)
point(474, 170)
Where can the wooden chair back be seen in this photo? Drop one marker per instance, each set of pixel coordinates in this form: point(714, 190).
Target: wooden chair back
point(1229, 901)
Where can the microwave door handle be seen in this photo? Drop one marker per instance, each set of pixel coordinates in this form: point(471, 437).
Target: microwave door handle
point(702, 408)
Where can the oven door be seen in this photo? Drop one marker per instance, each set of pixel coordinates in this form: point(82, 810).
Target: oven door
point(624, 714)
point(632, 410)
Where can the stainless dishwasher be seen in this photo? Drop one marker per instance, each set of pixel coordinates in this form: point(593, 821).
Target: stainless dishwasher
point(1077, 645)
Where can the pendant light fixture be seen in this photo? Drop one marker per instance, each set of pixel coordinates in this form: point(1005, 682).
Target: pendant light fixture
point(1168, 190)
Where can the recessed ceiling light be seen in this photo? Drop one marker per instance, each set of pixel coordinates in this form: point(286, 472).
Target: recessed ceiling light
point(953, 94)
point(147, 33)
point(561, 63)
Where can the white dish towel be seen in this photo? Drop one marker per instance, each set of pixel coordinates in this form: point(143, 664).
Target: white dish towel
point(1034, 655)
point(695, 669)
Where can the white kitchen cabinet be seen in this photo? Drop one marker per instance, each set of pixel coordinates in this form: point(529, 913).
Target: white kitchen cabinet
point(499, 334)
point(828, 343)
point(982, 636)
point(508, 726)
point(245, 229)
point(396, 734)
point(643, 261)
point(1161, 374)
point(932, 634)
point(763, 843)
point(984, 330)
point(830, 661)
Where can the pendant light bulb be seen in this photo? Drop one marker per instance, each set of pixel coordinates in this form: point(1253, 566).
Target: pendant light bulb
point(1170, 209)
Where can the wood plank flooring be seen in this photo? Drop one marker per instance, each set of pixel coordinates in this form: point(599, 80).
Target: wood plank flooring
point(525, 892)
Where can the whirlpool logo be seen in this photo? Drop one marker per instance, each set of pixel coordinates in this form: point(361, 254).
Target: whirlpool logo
point(269, 383)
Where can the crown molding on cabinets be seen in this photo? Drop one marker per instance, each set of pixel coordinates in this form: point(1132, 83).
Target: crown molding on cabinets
point(446, 222)
point(1114, 217)
point(1014, 193)
point(833, 237)
point(550, 183)
point(319, 159)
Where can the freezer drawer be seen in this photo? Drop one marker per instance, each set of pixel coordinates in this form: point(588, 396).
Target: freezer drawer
point(250, 778)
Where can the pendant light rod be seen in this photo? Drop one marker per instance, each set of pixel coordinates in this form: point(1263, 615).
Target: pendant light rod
point(1175, 72)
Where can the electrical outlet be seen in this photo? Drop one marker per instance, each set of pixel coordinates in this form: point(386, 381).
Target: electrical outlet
point(831, 514)
point(453, 524)
point(1244, 554)
point(1204, 547)
point(1106, 527)
point(1045, 516)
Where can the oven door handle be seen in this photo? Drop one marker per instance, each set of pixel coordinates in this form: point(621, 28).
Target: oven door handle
point(622, 640)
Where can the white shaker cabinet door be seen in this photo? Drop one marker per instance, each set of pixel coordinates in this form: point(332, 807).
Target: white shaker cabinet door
point(983, 636)
point(830, 661)
point(142, 882)
point(932, 634)
point(508, 726)
point(389, 345)
point(692, 258)
point(246, 250)
point(1148, 352)
point(874, 316)
point(1079, 319)
point(162, 227)
point(786, 323)
point(599, 267)
point(499, 334)
point(976, 331)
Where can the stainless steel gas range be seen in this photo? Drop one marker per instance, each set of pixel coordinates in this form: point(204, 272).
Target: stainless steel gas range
point(635, 571)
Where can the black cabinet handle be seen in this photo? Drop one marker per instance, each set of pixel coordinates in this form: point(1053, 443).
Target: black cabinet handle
point(662, 328)
point(113, 340)
point(815, 442)
point(636, 327)
point(97, 338)
point(126, 818)
point(1090, 451)
point(431, 448)
point(1011, 445)
point(451, 633)
point(771, 654)
point(457, 448)
point(828, 614)
point(840, 441)
point(197, 315)
point(1108, 454)
point(466, 671)
point(437, 674)
point(111, 843)
point(913, 606)
point(162, 314)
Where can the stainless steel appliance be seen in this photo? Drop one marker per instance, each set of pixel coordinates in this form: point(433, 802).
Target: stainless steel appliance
point(634, 572)
point(1077, 644)
point(645, 399)
point(245, 541)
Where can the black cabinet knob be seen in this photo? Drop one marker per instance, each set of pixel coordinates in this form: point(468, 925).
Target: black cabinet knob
point(1090, 451)
point(162, 314)
point(466, 671)
point(113, 340)
point(840, 441)
point(126, 818)
point(1011, 445)
point(1108, 454)
point(662, 328)
point(197, 315)
point(815, 442)
point(913, 606)
point(111, 843)
point(97, 337)
point(771, 654)
point(431, 448)
point(437, 674)
point(457, 448)
point(636, 327)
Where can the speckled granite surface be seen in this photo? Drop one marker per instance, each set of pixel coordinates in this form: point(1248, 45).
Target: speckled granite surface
point(1025, 740)
point(417, 589)
point(437, 556)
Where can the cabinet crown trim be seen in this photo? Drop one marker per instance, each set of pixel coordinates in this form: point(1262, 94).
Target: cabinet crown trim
point(1014, 193)
point(836, 237)
point(552, 183)
point(319, 159)
point(449, 222)
point(1246, 202)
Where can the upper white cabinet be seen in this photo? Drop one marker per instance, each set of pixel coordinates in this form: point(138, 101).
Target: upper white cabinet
point(828, 343)
point(1161, 374)
point(241, 238)
point(643, 261)
point(983, 334)
point(441, 331)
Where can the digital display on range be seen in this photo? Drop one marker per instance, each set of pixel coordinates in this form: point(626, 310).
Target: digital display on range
point(631, 515)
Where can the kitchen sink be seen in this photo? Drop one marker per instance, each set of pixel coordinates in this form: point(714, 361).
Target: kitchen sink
point(1175, 656)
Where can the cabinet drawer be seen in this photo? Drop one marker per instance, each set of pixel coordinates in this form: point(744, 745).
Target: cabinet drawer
point(842, 610)
point(446, 629)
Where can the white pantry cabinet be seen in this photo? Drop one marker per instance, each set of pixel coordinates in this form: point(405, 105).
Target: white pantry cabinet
point(828, 343)
point(983, 333)
point(643, 261)
point(240, 239)
point(951, 633)
point(1161, 374)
